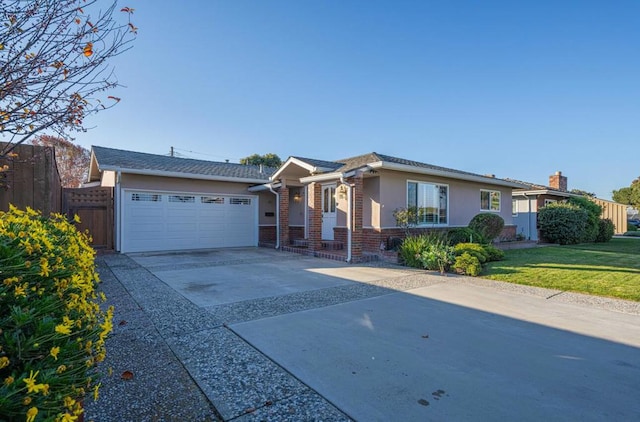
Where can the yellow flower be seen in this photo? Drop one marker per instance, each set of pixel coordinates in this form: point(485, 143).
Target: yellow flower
point(9, 380)
point(95, 392)
point(61, 369)
point(26, 401)
point(4, 361)
point(69, 402)
point(44, 267)
point(54, 352)
point(67, 418)
point(63, 329)
point(20, 290)
point(31, 414)
point(76, 218)
point(31, 381)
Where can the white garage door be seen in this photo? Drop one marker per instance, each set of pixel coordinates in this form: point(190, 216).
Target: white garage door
point(154, 221)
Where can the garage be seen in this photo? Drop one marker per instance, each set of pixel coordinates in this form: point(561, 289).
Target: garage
point(159, 221)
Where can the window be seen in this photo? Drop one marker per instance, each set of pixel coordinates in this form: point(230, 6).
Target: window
point(212, 200)
point(514, 206)
point(240, 201)
point(146, 197)
point(489, 200)
point(182, 198)
point(549, 201)
point(429, 202)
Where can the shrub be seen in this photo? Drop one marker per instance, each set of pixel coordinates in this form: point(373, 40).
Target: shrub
point(488, 225)
point(494, 254)
point(632, 233)
point(411, 249)
point(437, 256)
point(467, 264)
point(473, 249)
point(631, 228)
point(463, 235)
point(562, 223)
point(594, 212)
point(606, 228)
point(53, 330)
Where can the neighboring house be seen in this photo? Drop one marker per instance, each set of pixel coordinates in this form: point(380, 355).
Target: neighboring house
point(169, 203)
point(527, 201)
point(352, 201)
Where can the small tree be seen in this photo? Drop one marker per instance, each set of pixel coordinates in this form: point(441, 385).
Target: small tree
point(268, 160)
point(72, 160)
point(54, 64)
point(629, 195)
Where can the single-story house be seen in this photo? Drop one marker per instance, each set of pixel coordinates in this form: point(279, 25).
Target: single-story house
point(170, 203)
point(529, 199)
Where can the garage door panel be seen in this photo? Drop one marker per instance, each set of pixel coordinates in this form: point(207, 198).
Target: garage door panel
point(174, 220)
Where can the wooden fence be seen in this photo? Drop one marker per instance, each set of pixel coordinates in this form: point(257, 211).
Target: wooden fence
point(615, 212)
point(94, 206)
point(30, 179)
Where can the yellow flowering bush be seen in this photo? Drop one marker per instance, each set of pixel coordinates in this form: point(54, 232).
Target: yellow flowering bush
point(52, 330)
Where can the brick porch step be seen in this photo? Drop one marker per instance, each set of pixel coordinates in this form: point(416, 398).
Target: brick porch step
point(332, 245)
point(300, 243)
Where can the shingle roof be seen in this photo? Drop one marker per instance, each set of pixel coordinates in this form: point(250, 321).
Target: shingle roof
point(320, 163)
point(111, 159)
point(532, 186)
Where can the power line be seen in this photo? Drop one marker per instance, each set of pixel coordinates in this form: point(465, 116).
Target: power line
point(174, 149)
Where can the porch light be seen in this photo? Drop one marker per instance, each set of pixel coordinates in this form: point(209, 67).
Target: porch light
point(297, 197)
point(342, 191)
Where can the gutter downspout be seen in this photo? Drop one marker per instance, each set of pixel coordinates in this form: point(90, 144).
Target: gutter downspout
point(118, 211)
point(349, 217)
point(277, 215)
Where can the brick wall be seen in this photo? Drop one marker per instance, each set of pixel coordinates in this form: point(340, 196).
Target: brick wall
point(284, 215)
point(314, 202)
point(508, 233)
point(267, 234)
point(296, 232)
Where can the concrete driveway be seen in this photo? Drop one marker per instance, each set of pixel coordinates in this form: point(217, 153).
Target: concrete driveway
point(395, 344)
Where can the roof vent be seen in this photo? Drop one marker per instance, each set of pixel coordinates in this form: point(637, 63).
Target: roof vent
point(493, 176)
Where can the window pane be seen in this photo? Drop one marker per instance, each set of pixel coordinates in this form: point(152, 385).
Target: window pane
point(333, 200)
point(484, 200)
point(495, 201)
point(429, 202)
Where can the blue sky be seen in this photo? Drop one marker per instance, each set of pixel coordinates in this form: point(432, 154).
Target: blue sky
point(516, 89)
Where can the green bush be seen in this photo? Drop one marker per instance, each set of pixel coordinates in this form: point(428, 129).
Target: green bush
point(488, 225)
point(53, 330)
point(562, 223)
point(473, 249)
point(438, 256)
point(467, 264)
point(594, 212)
point(494, 254)
point(606, 228)
point(631, 228)
point(463, 235)
point(632, 233)
point(411, 249)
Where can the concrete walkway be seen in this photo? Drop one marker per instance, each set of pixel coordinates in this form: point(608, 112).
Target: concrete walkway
point(257, 334)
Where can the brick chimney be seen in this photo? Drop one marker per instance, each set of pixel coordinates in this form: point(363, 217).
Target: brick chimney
point(558, 181)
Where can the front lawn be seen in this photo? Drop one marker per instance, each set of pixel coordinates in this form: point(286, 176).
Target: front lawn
point(604, 269)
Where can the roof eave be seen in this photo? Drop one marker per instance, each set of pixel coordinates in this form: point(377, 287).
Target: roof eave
point(441, 173)
point(543, 192)
point(179, 175)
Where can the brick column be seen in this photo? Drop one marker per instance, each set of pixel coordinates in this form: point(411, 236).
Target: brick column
point(314, 202)
point(284, 216)
point(356, 204)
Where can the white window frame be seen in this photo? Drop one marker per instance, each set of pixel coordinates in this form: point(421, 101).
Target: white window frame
point(434, 184)
point(515, 207)
point(491, 193)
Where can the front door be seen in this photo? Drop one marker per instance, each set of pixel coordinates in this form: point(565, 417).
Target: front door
point(328, 211)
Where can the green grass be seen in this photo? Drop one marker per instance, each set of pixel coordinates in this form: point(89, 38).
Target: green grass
point(604, 269)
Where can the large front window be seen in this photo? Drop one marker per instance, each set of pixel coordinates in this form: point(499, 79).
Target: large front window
point(489, 200)
point(428, 202)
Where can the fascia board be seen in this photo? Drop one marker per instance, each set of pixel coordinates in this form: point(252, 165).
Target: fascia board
point(442, 173)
